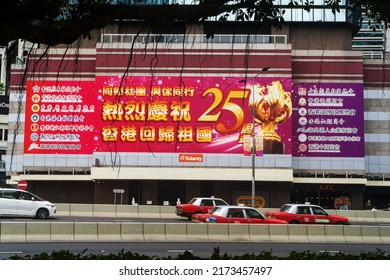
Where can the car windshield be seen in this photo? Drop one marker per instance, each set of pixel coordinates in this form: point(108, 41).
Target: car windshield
point(285, 208)
point(192, 201)
point(216, 210)
point(319, 211)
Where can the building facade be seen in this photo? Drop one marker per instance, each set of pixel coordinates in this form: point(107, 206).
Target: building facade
point(167, 116)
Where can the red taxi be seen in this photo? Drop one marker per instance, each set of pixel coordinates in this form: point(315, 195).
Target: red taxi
point(234, 214)
point(198, 205)
point(306, 214)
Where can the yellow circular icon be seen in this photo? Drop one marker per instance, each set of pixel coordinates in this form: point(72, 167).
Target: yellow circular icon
point(35, 108)
point(36, 98)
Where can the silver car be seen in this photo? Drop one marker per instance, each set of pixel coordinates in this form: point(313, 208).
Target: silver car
point(17, 202)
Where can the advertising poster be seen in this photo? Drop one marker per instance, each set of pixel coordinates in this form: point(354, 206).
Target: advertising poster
point(60, 118)
point(157, 114)
point(328, 120)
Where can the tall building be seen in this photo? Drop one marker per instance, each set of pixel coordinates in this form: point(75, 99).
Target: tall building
point(293, 114)
point(371, 39)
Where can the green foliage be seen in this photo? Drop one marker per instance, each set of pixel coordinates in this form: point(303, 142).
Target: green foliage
point(264, 255)
point(52, 22)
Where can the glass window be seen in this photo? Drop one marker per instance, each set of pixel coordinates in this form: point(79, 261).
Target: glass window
point(296, 14)
point(308, 15)
point(220, 202)
point(106, 39)
point(251, 213)
point(318, 211)
point(225, 39)
point(341, 16)
point(235, 213)
point(7, 194)
point(304, 210)
point(239, 39)
point(25, 196)
point(206, 202)
point(127, 39)
point(287, 15)
point(329, 15)
point(318, 14)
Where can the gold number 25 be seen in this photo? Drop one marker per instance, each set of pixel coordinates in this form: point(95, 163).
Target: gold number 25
point(228, 106)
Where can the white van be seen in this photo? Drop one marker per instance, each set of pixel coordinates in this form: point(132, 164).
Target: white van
point(23, 203)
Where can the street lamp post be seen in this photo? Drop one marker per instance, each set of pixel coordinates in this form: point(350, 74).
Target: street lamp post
point(253, 150)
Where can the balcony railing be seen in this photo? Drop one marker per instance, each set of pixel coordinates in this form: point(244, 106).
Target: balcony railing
point(190, 39)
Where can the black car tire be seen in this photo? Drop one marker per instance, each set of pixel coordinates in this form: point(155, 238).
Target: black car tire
point(42, 213)
point(294, 222)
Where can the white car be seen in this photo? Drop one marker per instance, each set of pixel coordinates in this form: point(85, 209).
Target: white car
point(17, 202)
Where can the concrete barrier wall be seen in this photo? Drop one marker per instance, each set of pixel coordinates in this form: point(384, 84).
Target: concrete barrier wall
point(177, 232)
point(155, 211)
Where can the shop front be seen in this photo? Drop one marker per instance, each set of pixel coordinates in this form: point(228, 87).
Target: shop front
point(329, 196)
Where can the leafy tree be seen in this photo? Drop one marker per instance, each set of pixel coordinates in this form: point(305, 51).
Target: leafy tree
point(52, 22)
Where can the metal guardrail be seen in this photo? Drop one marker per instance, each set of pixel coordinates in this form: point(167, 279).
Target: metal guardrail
point(373, 54)
point(192, 38)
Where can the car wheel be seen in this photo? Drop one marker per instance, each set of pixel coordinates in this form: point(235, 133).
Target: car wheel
point(339, 223)
point(293, 222)
point(42, 213)
point(198, 212)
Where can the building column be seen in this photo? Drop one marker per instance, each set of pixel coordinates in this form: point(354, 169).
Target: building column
point(192, 189)
point(149, 192)
point(357, 200)
point(279, 197)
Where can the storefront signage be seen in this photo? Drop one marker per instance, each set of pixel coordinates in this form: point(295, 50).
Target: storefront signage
point(247, 201)
point(327, 187)
point(190, 158)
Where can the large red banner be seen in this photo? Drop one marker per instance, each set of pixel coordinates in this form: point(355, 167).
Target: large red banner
point(61, 118)
point(154, 114)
